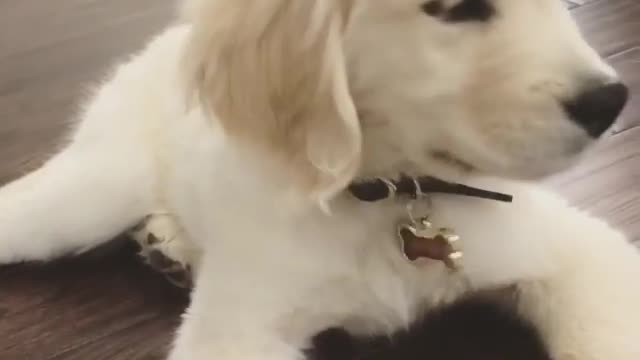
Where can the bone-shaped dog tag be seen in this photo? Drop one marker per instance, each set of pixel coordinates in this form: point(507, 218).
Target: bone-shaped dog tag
point(421, 240)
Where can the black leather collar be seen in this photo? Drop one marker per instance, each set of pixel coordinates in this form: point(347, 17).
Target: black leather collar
point(379, 189)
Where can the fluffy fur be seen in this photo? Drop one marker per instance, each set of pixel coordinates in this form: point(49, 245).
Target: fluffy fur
point(246, 123)
point(476, 327)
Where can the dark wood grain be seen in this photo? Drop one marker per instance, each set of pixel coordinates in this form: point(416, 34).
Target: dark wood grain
point(612, 26)
point(109, 306)
point(105, 305)
point(51, 53)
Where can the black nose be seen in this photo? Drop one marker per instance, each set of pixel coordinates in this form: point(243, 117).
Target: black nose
point(596, 109)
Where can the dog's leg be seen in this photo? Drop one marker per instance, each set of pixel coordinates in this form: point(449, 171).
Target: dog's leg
point(587, 308)
point(80, 198)
point(243, 306)
point(196, 344)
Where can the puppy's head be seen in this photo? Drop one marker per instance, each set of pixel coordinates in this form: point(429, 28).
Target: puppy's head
point(504, 87)
point(337, 87)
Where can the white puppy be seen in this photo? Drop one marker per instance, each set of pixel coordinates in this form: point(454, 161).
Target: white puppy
point(249, 121)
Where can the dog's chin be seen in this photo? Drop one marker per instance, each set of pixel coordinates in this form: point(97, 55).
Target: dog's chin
point(529, 170)
point(538, 170)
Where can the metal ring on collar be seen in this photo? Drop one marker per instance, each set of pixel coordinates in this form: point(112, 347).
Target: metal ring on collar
point(393, 189)
point(418, 188)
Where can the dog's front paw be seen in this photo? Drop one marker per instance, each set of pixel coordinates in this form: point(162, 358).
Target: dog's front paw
point(164, 246)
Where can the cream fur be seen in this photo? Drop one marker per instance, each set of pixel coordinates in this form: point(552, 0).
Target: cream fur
point(248, 120)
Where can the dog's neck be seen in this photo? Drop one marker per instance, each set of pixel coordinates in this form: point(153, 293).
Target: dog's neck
point(386, 154)
point(391, 167)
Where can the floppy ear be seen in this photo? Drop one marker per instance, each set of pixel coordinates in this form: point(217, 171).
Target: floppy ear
point(273, 72)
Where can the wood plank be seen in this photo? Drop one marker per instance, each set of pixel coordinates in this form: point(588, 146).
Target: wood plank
point(101, 306)
point(612, 26)
point(51, 53)
point(628, 65)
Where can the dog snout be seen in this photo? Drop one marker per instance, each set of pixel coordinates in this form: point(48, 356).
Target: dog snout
point(597, 108)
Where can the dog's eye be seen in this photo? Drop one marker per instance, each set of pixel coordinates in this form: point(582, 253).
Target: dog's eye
point(464, 11)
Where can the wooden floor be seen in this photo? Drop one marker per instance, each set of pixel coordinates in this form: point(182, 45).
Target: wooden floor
point(106, 305)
